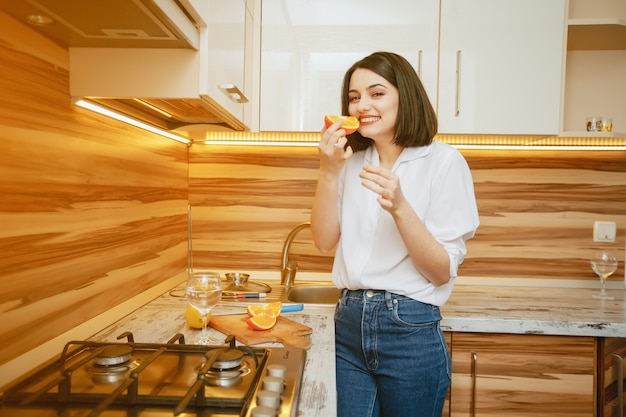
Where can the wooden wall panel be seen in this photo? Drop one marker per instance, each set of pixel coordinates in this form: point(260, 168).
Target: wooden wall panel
point(537, 208)
point(245, 200)
point(92, 212)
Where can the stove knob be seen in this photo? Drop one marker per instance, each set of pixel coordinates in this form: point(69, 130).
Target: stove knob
point(279, 371)
point(268, 399)
point(273, 383)
point(263, 412)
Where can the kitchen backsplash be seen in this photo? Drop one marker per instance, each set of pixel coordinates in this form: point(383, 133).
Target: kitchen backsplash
point(537, 208)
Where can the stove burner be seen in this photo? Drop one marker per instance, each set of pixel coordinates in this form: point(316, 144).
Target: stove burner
point(112, 364)
point(228, 369)
point(113, 355)
point(228, 359)
point(227, 377)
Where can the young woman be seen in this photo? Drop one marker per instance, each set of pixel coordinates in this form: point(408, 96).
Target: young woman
point(399, 207)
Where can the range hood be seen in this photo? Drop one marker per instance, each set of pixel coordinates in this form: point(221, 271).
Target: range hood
point(157, 61)
point(162, 87)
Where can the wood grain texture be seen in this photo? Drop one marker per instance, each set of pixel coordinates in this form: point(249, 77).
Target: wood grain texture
point(285, 331)
point(522, 375)
point(245, 200)
point(537, 209)
point(608, 372)
point(92, 213)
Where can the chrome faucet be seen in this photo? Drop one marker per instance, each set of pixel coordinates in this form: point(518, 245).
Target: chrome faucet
point(289, 268)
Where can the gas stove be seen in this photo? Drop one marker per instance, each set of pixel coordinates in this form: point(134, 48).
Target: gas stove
point(125, 379)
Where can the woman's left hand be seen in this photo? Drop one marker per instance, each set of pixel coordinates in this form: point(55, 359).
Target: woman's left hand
point(384, 183)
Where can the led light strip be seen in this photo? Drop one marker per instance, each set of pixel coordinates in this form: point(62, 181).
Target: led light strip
point(538, 143)
point(312, 138)
point(122, 118)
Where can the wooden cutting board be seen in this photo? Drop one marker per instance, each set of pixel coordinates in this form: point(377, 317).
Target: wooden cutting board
point(286, 331)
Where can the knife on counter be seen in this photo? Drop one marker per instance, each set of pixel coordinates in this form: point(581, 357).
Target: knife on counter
point(286, 308)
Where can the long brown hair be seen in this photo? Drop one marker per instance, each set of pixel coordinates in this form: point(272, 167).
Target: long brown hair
point(416, 124)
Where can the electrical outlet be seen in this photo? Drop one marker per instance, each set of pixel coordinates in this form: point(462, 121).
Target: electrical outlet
point(604, 231)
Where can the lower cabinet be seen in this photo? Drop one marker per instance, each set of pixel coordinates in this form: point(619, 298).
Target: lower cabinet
point(612, 352)
point(522, 375)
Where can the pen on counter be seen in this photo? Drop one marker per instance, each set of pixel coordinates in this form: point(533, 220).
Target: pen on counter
point(245, 295)
point(259, 295)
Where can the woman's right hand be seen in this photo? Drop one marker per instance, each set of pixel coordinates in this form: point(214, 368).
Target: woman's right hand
point(324, 214)
point(332, 148)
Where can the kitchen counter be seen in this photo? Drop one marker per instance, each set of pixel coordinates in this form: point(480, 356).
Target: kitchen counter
point(162, 318)
point(535, 310)
point(472, 308)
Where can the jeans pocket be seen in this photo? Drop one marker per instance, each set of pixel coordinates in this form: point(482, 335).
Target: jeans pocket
point(412, 313)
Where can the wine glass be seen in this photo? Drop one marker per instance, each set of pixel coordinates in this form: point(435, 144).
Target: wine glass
point(603, 263)
point(203, 291)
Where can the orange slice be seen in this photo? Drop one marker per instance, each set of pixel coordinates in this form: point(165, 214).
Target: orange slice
point(261, 322)
point(276, 307)
point(349, 123)
point(271, 309)
point(255, 310)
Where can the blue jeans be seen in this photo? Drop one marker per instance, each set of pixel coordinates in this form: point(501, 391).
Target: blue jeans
point(392, 359)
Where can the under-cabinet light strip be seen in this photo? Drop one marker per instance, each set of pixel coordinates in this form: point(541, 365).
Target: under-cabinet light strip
point(459, 141)
point(312, 138)
point(122, 118)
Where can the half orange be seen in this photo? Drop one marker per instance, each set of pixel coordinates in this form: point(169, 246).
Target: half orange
point(349, 123)
point(262, 322)
point(194, 319)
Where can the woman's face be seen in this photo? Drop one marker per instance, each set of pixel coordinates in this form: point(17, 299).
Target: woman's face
point(374, 101)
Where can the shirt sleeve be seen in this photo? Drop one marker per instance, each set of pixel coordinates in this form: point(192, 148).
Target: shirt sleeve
point(452, 217)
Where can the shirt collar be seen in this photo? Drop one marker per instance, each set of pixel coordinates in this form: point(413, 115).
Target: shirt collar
point(407, 154)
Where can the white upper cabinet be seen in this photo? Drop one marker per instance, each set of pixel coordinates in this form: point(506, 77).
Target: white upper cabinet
point(225, 63)
point(178, 88)
point(493, 67)
point(501, 66)
point(595, 84)
point(307, 46)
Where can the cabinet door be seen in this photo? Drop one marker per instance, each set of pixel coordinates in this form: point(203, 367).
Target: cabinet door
point(307, 46)
point(522, 375)
point(611, 378)
point(501, 66)
point(225, 63)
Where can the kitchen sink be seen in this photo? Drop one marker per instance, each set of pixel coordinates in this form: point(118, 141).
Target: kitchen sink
point(312, 293)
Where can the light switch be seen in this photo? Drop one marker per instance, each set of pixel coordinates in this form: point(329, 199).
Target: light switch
point(604, 231)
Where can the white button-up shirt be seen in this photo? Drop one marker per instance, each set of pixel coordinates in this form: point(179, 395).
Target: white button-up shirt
point(437, 182)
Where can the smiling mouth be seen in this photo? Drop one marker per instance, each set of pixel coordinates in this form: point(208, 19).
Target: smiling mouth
point(369, 120)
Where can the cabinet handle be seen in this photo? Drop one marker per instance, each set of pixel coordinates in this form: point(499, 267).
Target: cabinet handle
point(419, 64)
point(457, 105)
point(618, 374)
point(233, 93)
point(474, 361)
